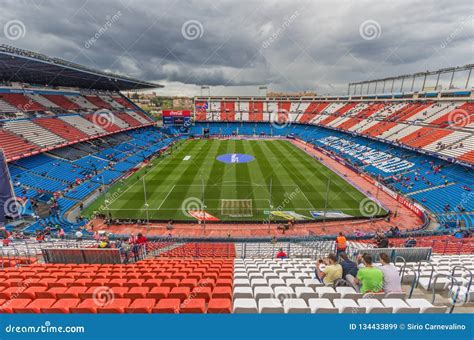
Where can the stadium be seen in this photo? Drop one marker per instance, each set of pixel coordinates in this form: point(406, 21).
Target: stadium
point(240, 204)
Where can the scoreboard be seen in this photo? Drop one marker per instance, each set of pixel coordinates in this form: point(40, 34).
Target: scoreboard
point(176, 117)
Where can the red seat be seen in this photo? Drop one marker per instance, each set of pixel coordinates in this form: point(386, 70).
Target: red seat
point(8, 305)
point(151, 283)
point(51, 293)
point(167, 306)
point(158, 293)
point(201, 293)
point(136, 293)
point(193, 306)
point(62, 306)
point(35, 306)
point(181, 293)
point(114, 306)
point(222, 293)
point(219, 306)
point(31, 292)
point(85, 307)
point(72, 292)
point(170, 283)
point(224, 283)
point(141, 306)
point(191, 283)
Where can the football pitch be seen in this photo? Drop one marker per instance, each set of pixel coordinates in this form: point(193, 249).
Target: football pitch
point(232, 180)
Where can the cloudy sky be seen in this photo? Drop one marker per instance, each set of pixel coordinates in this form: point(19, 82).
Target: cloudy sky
point(236, 46)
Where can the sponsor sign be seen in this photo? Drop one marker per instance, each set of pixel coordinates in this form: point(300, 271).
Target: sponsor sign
point(288, 215)
point(329, 213)
point(202, 215)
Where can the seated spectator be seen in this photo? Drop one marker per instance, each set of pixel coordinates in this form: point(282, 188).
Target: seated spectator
point(349, 269)
point(382, 242)
point(281, 254)
point(141, 239)
point(391, 278)
point(369, 277)
point(331, 272)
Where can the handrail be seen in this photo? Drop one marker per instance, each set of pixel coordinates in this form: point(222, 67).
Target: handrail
point(414, 282)
point(402, 270)
point(465, 269)
point(419, 273)
point(453, 303)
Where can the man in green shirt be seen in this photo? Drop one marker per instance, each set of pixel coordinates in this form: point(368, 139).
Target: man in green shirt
point(369, 277)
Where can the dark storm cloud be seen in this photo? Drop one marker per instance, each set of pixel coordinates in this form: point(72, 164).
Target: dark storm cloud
point(288, 45)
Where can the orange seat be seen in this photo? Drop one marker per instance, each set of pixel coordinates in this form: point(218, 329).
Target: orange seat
point(72, 292)
point(151, 283)
point(35, 306)
point(85, 307)
point(170, 283)
point(136, 293)
point(8, 305)
point(158, 293)
point(62, 306)
point(193, 306)
point(141, 306)
point(181, 293)
point(219, 306)
point(201, 293)
point(167, 306)
point(222, 293)
point(31, 292)
point(51, 293)
point(191, 283)
point(114, 306)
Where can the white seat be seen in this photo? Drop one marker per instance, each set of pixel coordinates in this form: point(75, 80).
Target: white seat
point(245, 306)
point(283, 293)
point(395, 295)
point(348, 293)
point(241, 283)
point(425, 306)
point(306, 293)
point(322, 306)
point(258, 283)
point(296, 306)
point(327, 293)
point(348, 306)
point(268, 306)
point(262, 293)
point(276, 283)
point(399, 306)
point(374, 306)
point(293, 283)
point(268, 276)
point(439, 285)
point(313, 283)
point(242, 292)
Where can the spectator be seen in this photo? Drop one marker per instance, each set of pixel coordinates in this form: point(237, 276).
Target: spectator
point(382, 242)
point(349, 269)
point(61, 233)
point(331, 272)
point(410, 242)
point(281, 254)
point(78, 236)
point(391, 278)
point(369, 277)
point(341, 244)
point(141, 239)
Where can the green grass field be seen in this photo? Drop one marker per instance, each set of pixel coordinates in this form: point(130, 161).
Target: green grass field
point(282, 177)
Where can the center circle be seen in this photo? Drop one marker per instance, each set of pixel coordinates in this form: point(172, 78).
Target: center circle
point(235, 158)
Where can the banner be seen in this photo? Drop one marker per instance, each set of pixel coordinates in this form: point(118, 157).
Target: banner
point(202, 215)
point(176, 113)
point(329, 213)
point(288, 215)
point(8, 203)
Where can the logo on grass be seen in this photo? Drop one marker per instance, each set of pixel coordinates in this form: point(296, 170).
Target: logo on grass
point(235, 158)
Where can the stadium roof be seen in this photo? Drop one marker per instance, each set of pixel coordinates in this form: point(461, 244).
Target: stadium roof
point(18, 65)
